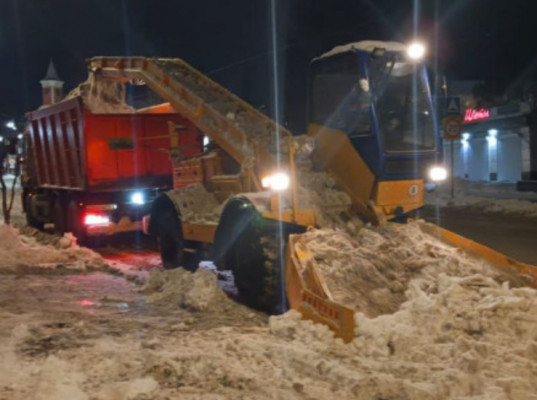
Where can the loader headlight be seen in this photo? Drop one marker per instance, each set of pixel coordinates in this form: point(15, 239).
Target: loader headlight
point(138, 198)
point(437, 174)
point(278, 181)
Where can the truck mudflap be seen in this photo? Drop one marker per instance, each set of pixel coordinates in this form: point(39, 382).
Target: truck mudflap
point(308, 293)
point(527, 271)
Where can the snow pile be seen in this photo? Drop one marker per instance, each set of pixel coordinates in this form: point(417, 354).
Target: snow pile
point(453, 326)
point(488, 197)
point(317, 191)
point(102, 97)
point(371, 271)
point(18, 251)
point(197, 291)
point(196, 204)
point(457, 328)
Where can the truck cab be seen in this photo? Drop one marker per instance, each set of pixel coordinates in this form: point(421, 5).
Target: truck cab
point(378, 97)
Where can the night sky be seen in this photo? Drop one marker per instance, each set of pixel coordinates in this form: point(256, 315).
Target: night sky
point(232, 41)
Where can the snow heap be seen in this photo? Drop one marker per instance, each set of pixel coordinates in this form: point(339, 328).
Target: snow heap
point(101, 97)
point(19, 252)
point(194, 291)
point(372, 270)
point(488, 197)
point(196, 204)
point(431, 322)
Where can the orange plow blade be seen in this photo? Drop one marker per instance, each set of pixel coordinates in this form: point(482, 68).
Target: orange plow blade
point(308, 293)
point(527, 271)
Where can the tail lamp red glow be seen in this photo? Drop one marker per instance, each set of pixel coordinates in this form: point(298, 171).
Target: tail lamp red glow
point(96, 219)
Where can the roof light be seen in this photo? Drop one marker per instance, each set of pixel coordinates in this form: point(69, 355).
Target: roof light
point(416, 51)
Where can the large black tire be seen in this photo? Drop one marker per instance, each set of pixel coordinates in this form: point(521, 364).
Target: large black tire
point(31, 220)
point(254, 249)
point(171, 243)
point(166, 224)
point(59, 216)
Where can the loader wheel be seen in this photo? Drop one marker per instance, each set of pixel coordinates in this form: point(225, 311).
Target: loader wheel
point(258, 267)
point(171, 243)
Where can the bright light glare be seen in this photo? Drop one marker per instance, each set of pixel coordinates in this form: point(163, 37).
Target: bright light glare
point(96, 219)
point(11, 125)
point(206, 141)
point(466, 136)
point(19, 136)
point(416, 51)
point(438, 174)
point(1, 139)
point(138, 198)
point(493, 132)
point(278, 181)
point(492, 140)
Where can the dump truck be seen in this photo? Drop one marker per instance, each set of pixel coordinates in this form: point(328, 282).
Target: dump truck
point(371, 144)
point(96, 174)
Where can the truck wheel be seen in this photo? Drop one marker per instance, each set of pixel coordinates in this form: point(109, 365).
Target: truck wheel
point(58, 216)
point(31, 220)
point(171, 244)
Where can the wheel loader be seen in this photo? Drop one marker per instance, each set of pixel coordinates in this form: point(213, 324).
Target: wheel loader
point(372, 142)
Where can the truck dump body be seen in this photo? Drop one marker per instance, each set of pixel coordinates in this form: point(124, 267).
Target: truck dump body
point(77, 150)
point(235, 126)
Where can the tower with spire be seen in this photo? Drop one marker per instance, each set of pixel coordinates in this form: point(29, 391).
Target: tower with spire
point(52, 86)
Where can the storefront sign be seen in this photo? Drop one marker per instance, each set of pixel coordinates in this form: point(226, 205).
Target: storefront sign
point(472, 115)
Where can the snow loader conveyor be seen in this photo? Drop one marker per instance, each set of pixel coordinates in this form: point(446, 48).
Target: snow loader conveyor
point(247, 136)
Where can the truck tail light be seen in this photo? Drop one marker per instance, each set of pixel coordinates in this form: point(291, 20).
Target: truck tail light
point(96, 219)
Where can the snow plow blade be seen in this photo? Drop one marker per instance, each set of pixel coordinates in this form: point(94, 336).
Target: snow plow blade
point(527, 271)
point(308, 293)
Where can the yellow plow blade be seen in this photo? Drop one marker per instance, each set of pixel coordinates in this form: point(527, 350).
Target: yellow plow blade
point(527, 271)
point(308, 293)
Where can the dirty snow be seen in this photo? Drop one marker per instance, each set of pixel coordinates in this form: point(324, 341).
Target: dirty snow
point(432, 323)
point(20, 251)
point(101, 97)
point(196, 204)
point(488, 197)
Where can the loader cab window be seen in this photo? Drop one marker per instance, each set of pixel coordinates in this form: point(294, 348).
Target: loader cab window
point(339, 96)
point(402, 105)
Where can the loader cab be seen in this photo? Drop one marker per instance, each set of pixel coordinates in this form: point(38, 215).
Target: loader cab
point(381, 100)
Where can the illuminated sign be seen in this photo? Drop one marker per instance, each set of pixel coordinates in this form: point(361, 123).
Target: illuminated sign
point(473, 115)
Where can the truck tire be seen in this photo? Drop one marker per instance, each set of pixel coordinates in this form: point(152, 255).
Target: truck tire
point(170, 236)
point(58, 216)
point(31, 220)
